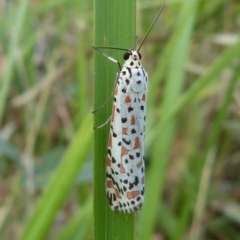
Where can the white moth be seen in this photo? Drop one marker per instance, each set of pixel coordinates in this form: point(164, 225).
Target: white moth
point(125, 154)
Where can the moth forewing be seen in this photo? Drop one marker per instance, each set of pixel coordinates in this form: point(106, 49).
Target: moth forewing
point(125, 179)
point(125, 155)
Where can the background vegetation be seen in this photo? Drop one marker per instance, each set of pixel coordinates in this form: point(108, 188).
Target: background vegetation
point(193, 119)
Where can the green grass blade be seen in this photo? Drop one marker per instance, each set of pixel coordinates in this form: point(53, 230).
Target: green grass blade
point(57, 190)
point(81, 224)
point(114, 27)
point(208, 159)
point(17, 27)
point(218, 66)
point(218, 121)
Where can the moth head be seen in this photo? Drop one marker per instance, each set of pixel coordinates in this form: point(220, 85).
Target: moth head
point(135, 55)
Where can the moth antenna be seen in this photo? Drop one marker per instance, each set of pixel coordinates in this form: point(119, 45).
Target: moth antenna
point(151, 26)
point(116, 48)
point(135, 40)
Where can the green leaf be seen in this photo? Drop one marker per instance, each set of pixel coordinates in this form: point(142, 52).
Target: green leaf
point(60, 184)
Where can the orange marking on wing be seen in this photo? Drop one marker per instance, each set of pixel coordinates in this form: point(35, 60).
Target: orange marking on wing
point(117, 193)
point(143, 180)
point(110, 184)
point(133, 194)
point(143, 97)
point(127, 99)
point(133, 120)
point(110, 141)
point(122, 169)
point(124, 151)
point(124, 131)
point(109, 162)
point(139, 164)
point(137, 143)
point(113, 111)
point(116, 91)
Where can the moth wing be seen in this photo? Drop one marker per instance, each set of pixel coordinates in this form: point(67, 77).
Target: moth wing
point(125, 162)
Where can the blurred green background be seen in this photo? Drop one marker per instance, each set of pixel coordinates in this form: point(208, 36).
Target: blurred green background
point(192, 147)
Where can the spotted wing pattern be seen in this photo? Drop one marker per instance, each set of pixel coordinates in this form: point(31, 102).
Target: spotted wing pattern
point(125, 154)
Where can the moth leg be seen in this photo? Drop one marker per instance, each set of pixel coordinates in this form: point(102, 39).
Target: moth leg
point(120, 68)
point(102, 125)
point(110, 58)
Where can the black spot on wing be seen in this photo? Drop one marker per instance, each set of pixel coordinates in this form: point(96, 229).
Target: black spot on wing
point(130, 109)
point(130, 72)
point(133, 131)
point(127, 142)
point(124, 120)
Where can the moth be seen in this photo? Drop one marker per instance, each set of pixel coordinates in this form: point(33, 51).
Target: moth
point(125, 180)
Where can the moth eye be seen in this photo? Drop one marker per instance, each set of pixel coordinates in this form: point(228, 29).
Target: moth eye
point(126, 55)
point(139, 55)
